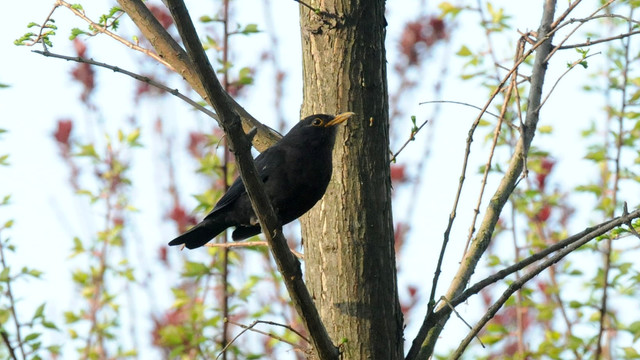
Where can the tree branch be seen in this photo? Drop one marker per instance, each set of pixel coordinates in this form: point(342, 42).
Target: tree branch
point(228, 245)
point(516, 285)
point(288, 265)
point(562, 248)
point(424, 342)
point(138, 77)
point(102, 29)
point(168, 49)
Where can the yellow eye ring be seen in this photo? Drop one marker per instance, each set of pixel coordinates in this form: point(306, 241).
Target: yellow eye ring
point(316, 122)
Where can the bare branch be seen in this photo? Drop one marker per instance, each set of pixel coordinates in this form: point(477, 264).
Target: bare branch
point(113, 35)
point(411, 138)
point(250, 328)
point(516, 285)
point(138, 77)
point(561, 249)
point(594, 42)
point(12, 308)
point(227, 245)
point(7, 342)
point(288, 265)
point(174, 54)
point(424, 342)
point(458, 103)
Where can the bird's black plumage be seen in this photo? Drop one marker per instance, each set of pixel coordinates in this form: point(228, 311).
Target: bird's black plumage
point(295, 171)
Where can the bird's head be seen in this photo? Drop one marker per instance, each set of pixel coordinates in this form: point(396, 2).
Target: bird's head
point(326, 121)
point(315, 130)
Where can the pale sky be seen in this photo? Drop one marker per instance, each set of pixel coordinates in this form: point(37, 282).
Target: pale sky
point(46, 212)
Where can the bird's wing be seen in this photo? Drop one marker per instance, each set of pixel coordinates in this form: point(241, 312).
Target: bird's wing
point(266, 163)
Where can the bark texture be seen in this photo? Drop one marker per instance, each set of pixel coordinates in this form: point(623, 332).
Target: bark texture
point(348, 236)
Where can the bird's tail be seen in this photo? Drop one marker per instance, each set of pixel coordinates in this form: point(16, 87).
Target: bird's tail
point(199, 234)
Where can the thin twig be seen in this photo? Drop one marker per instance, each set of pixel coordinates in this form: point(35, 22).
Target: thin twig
point(306, 5)
point(424, 343)
point(250, 328)
point(516, 285)
point(458, 103)
point(629, 224)
point(616, 186)
point(594, 42)
point(169, 49)
point(411, 138)
point(114, 36)
point(288, 327)
point(227, 245)
point(453, 309)
point(7, 342)
point(144, 79)
point(557, 25)
point(12, 308)
point(571, 67)
point(487, 166)
point(44, 26)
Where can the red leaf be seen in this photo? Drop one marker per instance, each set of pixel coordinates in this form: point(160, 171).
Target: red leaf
point(420, 35)
point(180, 216)
point(398, 173)
point(197, 141)
point(162, 15)
point(83, 72)
point(544, 213)
point(545, 169)
point(63, 132)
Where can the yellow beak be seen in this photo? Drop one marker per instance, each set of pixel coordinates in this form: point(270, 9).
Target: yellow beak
point(339, 118)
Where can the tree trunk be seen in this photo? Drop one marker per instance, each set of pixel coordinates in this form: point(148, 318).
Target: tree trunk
point(348, 236)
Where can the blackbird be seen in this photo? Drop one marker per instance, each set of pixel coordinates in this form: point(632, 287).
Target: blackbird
point(295, 172)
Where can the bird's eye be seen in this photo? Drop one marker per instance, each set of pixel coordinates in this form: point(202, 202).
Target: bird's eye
point(316, 122)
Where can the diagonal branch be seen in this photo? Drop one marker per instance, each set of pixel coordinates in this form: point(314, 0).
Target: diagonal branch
point(288, 265)
point(561, 249)
point(424, 342)
point(138, 77)
point(168, 49)
point(516, 285)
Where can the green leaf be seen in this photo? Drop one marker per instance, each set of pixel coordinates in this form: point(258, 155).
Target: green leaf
point(448, 8)
point(597, 155)
point(132, 138)
point(49, 325)
point(31, 337)
point(39, 312)
point(3, 159)
point(4, 274)
point(70, 317)
point(33, 272)
point(195, 269)
point(634, 329)
point(630, 353)
point(250, 29)
point(546, 129)
point(5, 314)
point(75, 32)
point(88, 150)
point(464, 51)
point(54, 350)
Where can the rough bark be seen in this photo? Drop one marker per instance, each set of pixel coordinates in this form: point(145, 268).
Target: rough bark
point(348, 236)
